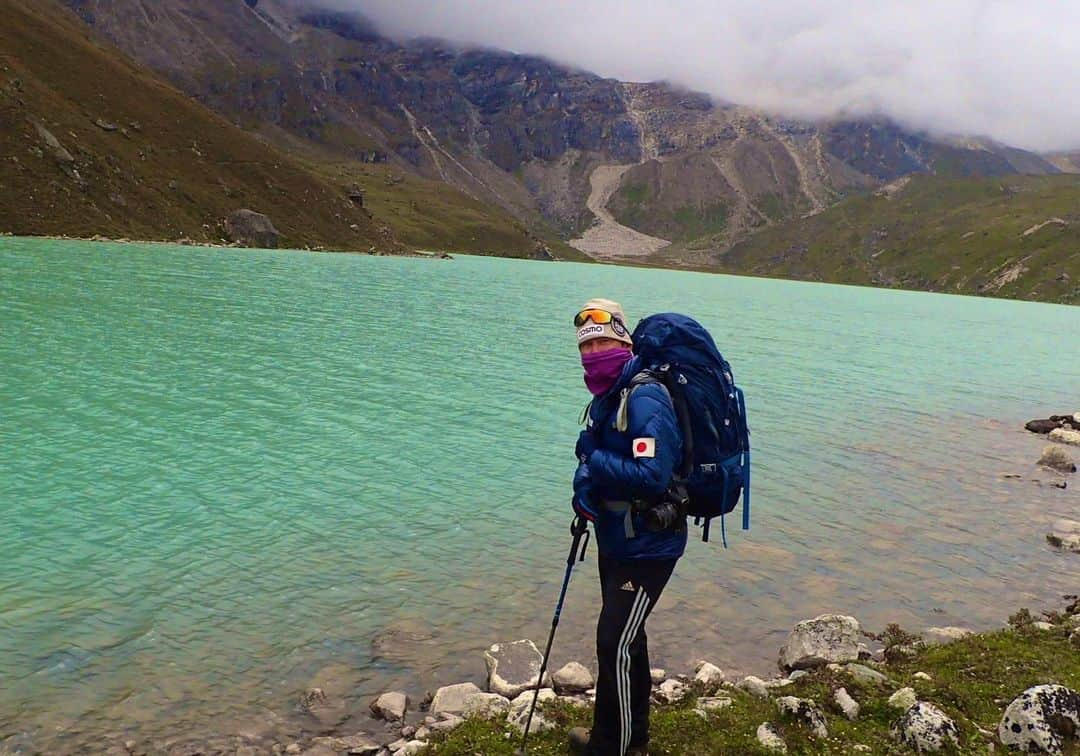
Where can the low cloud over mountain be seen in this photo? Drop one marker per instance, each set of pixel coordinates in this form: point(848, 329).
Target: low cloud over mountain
point(999, 68)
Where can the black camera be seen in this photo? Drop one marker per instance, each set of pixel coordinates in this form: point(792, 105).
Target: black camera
point(669, 513)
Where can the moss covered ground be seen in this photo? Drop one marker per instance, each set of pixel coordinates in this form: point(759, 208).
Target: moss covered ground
point(972, 680)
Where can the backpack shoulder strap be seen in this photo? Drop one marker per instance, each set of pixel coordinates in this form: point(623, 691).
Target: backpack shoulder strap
point(643, 378)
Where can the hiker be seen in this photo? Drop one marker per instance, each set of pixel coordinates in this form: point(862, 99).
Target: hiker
point(628, 454)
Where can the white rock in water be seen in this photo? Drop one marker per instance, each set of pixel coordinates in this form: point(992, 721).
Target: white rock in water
point(770, 738)
point(390, 706)
point(1044, 626)
point(926, 728)
point(451, 699)
point(847, 704)
point(816, 642)
point(1038, 720)
point(1056, 458)
point(755, 686)
point(671, 691)
point(573, 678)
point(485, 705)
point(1065, 436)
point(947, 634)
point(657, 675)
point(903, 699)
point(708, 675)
point(513, 668)
point(805, 710)
point(1065, 534)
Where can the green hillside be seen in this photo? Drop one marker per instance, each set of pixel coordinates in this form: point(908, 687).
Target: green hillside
point(90, 144)
point(1014, 236)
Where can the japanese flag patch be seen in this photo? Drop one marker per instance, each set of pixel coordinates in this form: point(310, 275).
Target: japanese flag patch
point(644, 447)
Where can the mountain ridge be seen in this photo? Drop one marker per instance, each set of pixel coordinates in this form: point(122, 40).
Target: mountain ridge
point(522, 132)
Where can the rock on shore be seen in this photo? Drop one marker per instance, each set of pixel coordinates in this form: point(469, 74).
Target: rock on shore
point(252, 229)
point(926, 728)
point(1040, 718)
point(514, 667)
point(573, 678)
point(1063, 436)
point(1054, 422)
point(817, 642)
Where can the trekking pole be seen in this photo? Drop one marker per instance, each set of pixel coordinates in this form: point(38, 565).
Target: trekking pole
point(578, 529)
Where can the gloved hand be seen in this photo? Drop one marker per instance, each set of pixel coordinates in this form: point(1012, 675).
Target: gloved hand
point(582, 504)
point(586, 445)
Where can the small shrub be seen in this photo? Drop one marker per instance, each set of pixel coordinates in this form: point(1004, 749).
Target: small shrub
point(894, 635)
point(1021, 620)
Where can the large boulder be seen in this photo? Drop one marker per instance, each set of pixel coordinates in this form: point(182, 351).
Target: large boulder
point(926, 728)
point(1065, 534)
point(819, 641)
point(1056, 458)
point(1040, 719)
point(1065, 436)
point(514, 668)
point(451, 699)
point(252, 229)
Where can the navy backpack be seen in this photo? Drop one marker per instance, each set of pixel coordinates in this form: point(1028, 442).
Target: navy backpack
point(715, 469)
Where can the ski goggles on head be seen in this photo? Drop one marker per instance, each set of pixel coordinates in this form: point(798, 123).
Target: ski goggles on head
point(600, 317)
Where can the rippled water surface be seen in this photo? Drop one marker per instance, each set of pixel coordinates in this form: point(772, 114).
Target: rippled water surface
point(228, 475)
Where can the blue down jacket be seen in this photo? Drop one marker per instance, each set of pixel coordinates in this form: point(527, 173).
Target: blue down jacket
point(612, 473)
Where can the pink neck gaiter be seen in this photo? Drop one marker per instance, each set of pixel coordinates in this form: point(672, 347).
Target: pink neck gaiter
point(602, 369)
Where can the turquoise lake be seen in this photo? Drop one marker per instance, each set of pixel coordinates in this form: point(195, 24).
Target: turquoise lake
point(228, 475)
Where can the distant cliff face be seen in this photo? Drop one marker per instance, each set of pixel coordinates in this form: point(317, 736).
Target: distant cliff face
point(519, 131)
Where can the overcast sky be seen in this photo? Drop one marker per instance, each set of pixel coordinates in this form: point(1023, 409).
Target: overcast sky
point(1009, 69)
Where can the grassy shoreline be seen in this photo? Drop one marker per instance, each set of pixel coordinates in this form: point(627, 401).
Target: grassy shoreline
point(972, 680)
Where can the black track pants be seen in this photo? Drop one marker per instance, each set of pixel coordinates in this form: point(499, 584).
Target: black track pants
point(630, 589)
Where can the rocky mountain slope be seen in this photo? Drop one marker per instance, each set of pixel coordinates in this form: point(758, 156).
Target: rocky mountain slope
point(90, 144)
point(553, 146)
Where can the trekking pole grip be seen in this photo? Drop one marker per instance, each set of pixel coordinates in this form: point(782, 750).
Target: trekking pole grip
point(579, 529)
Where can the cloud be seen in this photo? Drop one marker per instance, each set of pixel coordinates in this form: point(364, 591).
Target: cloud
point(1001, 68)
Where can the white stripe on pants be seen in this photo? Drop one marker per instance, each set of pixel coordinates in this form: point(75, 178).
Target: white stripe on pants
point(622, 665)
